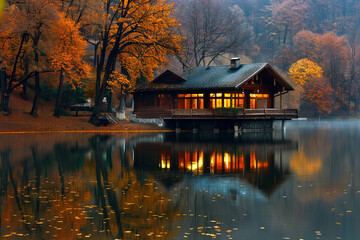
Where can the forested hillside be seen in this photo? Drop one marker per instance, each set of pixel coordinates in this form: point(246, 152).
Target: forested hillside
point(281, 32)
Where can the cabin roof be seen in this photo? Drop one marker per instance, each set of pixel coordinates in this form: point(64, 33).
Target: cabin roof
point(214, 77)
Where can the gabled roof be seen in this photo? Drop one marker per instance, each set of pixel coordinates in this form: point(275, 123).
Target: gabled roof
point(168, 77)
point(215, 77)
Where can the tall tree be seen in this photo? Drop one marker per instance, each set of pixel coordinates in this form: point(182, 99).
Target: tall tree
point(211, 28)
point(289, 15)
point(318, 92)
point(67, 51)
point(25, 23)
point(139, 34)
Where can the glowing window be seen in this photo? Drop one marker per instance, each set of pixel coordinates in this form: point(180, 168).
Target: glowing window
point(187, 103)
point(218, 102)
point(194, 104)
point(200, 103)
point(252, 103)
point(227, 102)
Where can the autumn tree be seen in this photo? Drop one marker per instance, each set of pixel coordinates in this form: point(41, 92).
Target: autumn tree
point(306, 45)
point(38, 36)
point(319, 95)
point(25, 23)
point(66, 55)
point(209, 29)
point(334, 56)
point(317, 90)
point(289, 15)
point(303, 70)
point(138, 34)
point(354, 68)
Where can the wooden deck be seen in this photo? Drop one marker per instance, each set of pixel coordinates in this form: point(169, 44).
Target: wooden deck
point(246, 114)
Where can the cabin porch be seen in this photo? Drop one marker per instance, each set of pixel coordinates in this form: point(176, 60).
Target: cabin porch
point(219, 113)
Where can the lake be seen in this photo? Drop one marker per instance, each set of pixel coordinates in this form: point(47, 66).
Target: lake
point(302, 182)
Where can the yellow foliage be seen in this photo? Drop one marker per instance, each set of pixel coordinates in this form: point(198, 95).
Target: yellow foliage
point(303, 70)
point(2, 5)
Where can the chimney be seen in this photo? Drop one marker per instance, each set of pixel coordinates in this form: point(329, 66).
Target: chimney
point(234, 62)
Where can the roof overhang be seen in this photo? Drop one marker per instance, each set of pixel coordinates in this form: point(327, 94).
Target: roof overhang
point(272, 71)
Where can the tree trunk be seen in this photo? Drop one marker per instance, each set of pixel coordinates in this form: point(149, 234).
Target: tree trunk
point(37, 96)
point(109, 101)
point(58, 100)
point(122, 102)
point(4, 96)
point(24, 85)
point(285, 33)
point(95, 53)
point(108, 71)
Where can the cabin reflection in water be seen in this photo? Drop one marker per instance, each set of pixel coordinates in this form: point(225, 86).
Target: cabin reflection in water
point(260, 163)
point(218, 162)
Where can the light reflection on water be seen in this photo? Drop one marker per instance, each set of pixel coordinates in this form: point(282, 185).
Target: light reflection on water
point(301, 183)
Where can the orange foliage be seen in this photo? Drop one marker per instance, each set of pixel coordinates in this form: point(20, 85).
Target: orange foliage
point(66, 50)
point(319, 93)
point(144, 34)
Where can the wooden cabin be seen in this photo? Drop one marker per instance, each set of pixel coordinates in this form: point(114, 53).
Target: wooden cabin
point(248, 90)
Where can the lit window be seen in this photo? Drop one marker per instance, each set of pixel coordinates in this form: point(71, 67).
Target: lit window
point(191, 101)
point(227, 102)
point(218, 103)
point(194, 104)
point(200, 103)
point(187, 103)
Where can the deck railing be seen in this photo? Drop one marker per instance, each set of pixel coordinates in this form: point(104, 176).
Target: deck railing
point(267, 113)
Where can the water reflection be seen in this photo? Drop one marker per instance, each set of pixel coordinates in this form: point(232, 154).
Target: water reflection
point(80, 188)
point(299, 184)
point(255, 158)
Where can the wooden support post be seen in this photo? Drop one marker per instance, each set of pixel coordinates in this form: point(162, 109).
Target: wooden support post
point(194, 126)
point(280, 101)
point(216, 127)
point(282, 125)
point(247, 99)
point(236, 127)
point(177, 127)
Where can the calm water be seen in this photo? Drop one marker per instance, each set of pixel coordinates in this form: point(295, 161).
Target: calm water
point(302, 183)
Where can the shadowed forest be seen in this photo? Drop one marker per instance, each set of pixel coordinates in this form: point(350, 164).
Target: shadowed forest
point(66, 51)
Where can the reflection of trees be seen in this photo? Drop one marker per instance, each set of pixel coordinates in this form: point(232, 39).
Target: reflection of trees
point(66, 194)
point(305, 166)
point(140, 210)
